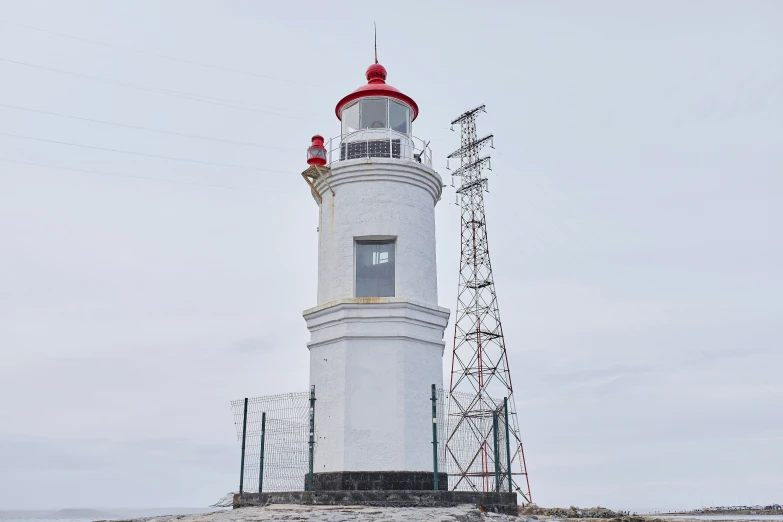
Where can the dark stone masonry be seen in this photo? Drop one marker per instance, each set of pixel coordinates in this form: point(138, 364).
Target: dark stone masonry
point(377, 481)
point(494, 502)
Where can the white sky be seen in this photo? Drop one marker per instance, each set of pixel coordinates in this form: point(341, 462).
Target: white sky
point(634, 215)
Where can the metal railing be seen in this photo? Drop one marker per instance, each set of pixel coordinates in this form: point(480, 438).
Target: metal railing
point(378, 143)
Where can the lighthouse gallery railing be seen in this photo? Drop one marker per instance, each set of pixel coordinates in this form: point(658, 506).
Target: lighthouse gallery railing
point(378, 143)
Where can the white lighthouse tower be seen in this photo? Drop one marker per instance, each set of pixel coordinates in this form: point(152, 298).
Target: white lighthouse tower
point(376, 331)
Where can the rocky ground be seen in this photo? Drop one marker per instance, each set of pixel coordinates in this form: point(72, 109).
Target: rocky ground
point(288, 512)
point(728, 512)
point(679, 518)
point(571, 512)
point(467, 513)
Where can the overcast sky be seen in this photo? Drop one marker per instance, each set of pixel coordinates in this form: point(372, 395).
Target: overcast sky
point(634, 216)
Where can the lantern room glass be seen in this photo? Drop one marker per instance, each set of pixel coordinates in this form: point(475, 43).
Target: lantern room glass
point(350, 118)
point(399, 117)
point(376, 113)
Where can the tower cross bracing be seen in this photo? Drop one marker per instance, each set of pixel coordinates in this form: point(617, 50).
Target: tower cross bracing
point(480, 375)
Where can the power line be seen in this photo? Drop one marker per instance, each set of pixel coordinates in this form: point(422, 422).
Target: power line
point(224, 102)
point(133, 176)
point(164, 56)
point(195, 97)
point(120, 151)
point(149, 129)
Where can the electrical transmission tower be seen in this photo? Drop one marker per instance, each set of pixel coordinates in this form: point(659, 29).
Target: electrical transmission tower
point(482, 442)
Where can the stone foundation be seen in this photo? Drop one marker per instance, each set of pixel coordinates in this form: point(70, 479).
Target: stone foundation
point(377, 481)
point(493, 502)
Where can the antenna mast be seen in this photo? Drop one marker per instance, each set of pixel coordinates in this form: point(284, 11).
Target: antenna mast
point(483, 444)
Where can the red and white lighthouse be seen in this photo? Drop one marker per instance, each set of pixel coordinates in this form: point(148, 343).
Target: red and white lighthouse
point(376, 328)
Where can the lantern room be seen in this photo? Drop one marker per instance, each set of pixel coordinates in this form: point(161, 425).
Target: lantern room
point(376, 121)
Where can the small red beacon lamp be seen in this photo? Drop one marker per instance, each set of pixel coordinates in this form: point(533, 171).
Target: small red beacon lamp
point(316, 153)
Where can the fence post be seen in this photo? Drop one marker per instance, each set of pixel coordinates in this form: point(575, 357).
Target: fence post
point(508, 446)
point(244, 434)
point(497, 452)
point(312, 439)
point(435, 436)
point(261, 463)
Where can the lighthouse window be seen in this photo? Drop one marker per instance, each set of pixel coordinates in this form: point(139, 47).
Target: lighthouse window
point(350, 118)
point(375, 269)
point(374, 113)
point(399, 115)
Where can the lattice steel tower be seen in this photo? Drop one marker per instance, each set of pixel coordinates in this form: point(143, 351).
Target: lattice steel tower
point(479, 424)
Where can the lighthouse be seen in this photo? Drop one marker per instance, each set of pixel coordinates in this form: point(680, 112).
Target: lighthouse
point(376, 330)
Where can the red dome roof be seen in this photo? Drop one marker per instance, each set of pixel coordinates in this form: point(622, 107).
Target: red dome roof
point(376, 86)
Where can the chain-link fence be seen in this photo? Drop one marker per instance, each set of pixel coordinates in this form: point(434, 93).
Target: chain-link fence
point(276, 433)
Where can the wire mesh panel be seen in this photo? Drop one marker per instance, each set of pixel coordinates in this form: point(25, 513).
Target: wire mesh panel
point(287, 430)
point(468, 468)
point(443, 400)
point(503, 446)
point(286, 440)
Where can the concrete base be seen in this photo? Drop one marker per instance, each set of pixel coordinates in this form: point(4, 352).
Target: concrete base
point(494, 502)
point(378, 481)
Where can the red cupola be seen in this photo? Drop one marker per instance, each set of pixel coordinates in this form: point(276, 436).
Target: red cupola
point(400, 109)
point(316, 153)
